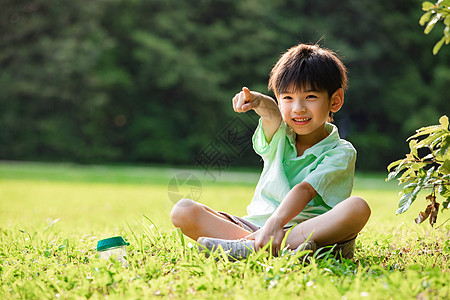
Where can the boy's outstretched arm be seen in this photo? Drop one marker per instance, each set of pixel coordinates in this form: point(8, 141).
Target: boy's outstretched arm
point(294, 202)
point(263, 105)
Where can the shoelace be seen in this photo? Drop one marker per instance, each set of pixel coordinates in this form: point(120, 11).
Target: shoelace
point(238, 248)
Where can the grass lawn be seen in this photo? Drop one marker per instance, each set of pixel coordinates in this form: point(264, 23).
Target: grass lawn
point(52, 215)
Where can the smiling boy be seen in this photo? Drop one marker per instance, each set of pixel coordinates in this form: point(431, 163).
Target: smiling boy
point(308, 171)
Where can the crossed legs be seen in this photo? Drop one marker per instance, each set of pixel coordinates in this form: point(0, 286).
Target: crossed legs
point(341, 223)
point(196, 220)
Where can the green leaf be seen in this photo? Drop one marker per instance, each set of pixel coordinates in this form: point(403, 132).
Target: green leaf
point(445, 145)
point(429, 179)
point(409, 188)
point(444, 190)
point(427, 6)
point(405, 163)
point(445, 168)
point(446, 203)
point(436, 144)
point(444, 122)
point(430, 173)
point(426, 16)
point(425, 130)
point(407, 199)
point(421, 173)
point(431, 24)
point(411, 191)
point(405, 202)
point(407, 175)
point(446, 20)
point(412, 144)
point(428, 157)
point(391, 175)
point(414, 148)
point(430, 140)
point(393, 164)
point(438, 45)
point(417, 166)
point(445, 3)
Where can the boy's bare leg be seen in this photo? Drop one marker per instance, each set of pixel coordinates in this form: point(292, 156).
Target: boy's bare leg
point(340, 224)
point(196, 220)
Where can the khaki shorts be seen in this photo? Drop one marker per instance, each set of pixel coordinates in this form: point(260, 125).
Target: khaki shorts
point(343, 249)
point(249, 226)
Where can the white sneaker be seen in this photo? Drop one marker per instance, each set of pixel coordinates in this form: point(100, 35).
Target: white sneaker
point(235, 249)
point(308, 245)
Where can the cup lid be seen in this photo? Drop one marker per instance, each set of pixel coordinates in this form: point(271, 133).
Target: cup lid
point(111, 243)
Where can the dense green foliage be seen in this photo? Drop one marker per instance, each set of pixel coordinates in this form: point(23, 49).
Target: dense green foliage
point(439, 11)
point(152, 80)
point(426, 166)
point(47, 248)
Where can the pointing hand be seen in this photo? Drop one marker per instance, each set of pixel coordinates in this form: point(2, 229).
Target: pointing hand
point(246, 100)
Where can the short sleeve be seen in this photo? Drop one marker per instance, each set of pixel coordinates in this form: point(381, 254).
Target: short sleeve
point(333, 177)
point(260, 144)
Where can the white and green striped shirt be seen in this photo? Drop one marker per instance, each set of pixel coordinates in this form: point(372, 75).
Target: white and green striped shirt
point(328, 166)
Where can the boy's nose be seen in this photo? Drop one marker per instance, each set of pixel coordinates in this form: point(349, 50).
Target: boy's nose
point(299, 107)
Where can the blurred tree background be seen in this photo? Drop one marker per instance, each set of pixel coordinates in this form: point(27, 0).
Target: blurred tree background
point(151, 81)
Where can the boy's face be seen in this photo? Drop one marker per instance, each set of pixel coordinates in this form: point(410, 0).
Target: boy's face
point(306, 110)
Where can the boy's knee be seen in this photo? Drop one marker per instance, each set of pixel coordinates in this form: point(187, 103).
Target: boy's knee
point(360, 207)
point(182, 212)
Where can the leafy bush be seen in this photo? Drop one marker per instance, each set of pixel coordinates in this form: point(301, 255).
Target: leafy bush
point(427, 166)
point(435, 13)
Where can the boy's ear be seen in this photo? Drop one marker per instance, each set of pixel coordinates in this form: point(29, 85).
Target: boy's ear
point(337, 100)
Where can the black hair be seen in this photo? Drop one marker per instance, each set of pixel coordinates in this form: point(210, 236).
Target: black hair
point(308, 67)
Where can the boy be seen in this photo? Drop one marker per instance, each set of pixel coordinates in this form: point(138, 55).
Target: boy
point(308, 170)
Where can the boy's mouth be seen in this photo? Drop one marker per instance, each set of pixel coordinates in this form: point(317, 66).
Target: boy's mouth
point(301, 121)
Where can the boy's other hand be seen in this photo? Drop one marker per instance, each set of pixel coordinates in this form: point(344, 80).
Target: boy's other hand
point(246, 100)
point(265, 234)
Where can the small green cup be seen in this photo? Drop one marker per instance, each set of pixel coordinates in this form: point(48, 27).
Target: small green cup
point(113, 247)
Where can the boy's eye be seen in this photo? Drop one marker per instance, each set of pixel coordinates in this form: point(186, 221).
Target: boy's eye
point(311, 97)
point(287, 98)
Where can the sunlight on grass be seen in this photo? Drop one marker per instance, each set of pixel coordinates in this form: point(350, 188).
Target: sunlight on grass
point(49, 226)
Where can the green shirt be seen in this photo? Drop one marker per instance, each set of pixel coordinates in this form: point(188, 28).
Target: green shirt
point(328, 167)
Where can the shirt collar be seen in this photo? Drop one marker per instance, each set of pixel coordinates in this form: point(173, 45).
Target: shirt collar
point(322, 146)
